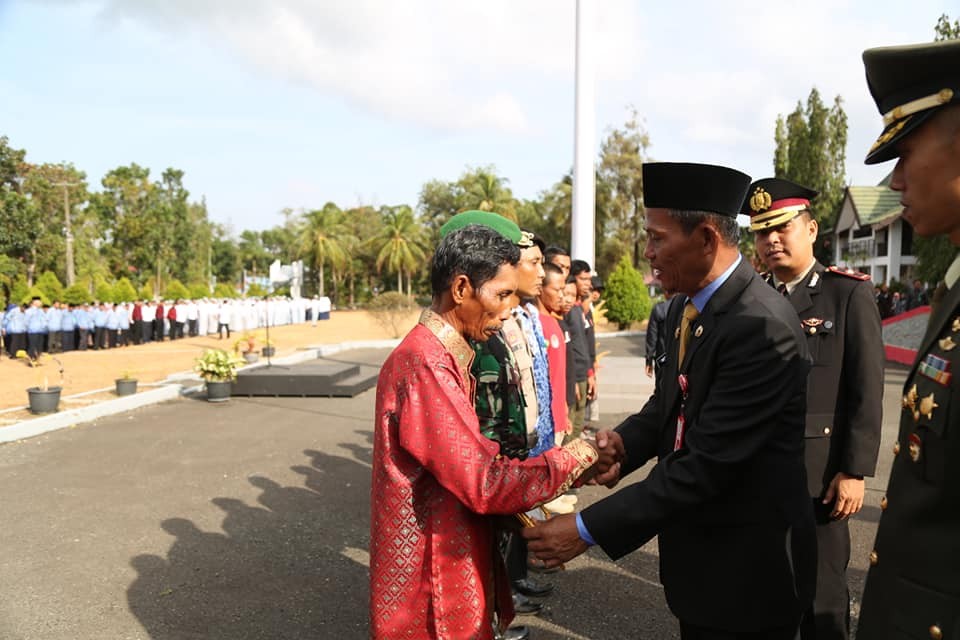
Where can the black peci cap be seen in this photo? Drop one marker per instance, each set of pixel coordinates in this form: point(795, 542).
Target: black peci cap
point(909, 84)
point(694, 187)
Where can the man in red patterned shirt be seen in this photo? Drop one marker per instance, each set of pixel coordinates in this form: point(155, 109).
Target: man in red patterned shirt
point(437, 481)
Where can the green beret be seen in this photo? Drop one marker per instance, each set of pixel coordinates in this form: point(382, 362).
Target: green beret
point(507, 228)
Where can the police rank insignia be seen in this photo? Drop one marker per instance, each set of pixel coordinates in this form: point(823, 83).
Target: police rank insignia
point(810, 324)
point(927, 405)
point(947, 344)
point(914, 447)
point(936, 369)
point(760, 200)
point(956, 324)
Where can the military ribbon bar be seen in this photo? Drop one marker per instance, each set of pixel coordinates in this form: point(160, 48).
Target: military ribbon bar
point(936, 369)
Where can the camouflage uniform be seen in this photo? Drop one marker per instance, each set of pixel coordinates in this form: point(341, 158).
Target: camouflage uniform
point(499, 402)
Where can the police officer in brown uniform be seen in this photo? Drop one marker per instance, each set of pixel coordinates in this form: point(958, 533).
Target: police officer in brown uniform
point(840, 320)
point(913, 586)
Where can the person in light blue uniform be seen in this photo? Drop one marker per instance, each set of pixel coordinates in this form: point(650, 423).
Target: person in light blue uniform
point(112, 325)
point(54, 327)
point(99, 314)
point(36, 321)
point(123, 321)
point(15, 328)
point(68, 328)
point(84, 326)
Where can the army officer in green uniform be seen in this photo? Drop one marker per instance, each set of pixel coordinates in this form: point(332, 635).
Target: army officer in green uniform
point(913, 586)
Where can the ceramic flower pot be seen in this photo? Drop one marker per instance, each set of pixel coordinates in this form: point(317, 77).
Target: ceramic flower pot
point(44, 400)
point(218, 391)
point(126, 386)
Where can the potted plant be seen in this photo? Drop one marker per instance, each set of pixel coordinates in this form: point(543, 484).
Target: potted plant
point(42, 398)
point(126, 384)
point(246, 347)
point(268, 350)
point(219, 369)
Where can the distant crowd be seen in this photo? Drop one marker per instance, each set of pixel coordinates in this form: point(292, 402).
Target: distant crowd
point(38, 328)
point(892, 303)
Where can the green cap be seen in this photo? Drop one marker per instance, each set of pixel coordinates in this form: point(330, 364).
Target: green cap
point(507, 228)
point(910, 84)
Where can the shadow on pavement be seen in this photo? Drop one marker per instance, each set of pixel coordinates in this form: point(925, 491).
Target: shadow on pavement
point(295, 566)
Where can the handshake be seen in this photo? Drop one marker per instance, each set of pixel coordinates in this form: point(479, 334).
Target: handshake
point(558, 540)
point(611, 453)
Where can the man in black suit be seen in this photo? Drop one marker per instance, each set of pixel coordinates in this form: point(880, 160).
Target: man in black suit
point(728, 497)
point(844, 390)
point(913, 587)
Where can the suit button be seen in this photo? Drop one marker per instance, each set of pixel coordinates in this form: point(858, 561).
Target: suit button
point(874, 558)
point(826, 431)
point(936, 633)
point(883, 503)
point(896, 448)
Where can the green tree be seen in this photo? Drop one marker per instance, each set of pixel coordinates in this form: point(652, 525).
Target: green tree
point(320, 239)
point(175, 291)
point(400, 250)
point(50, 285)
point(810, 150)
point(622, 155)
point(124, 291)
point(198, 290)
point(146, 291)
point(224, 290)
point(103, 291)
point(946, 30)
point(20, 291)
point(36, 292)
point(626, 296)
point(76, 294)
point(256, 291)
point(20, 224)
point(483, 189)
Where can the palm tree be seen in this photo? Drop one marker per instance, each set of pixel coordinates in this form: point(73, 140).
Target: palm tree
point(400, 248)
point(322, 235)
point(484, 190)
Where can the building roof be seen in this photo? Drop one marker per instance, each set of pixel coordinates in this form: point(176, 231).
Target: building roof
point(874, 204)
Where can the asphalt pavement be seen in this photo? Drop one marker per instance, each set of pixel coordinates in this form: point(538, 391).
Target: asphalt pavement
point(249, 520)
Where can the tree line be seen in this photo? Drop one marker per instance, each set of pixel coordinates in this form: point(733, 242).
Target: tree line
point(146, 236)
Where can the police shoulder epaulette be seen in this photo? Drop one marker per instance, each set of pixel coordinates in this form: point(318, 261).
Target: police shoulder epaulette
point(850, 273)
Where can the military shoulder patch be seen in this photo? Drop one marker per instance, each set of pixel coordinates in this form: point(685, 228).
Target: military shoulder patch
point(850, 273)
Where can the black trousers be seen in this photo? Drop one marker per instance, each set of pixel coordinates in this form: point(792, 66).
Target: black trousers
point(516, 557)
point(223, 327)
point(829, 617)
point(54, 342)
point(67, 339)
point(16, 342)
point(35, 344)
point(112, 337)
point(158, 330)
point(691, 632)
point(83, 339)
point(194, 328)
point(137, 331)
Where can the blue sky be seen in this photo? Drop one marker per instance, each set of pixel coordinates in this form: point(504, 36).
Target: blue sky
point(267, 104)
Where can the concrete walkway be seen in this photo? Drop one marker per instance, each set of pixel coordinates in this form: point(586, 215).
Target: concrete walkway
point(250, 520)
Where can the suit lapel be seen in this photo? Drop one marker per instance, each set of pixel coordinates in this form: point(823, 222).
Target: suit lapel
point(717, 306)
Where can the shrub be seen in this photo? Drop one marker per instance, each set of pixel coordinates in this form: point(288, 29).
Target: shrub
point(146, 291)
point(217, 365)
point(627, 299)
point(20, 292)
point(50, 285)
point(390, 310)
point(175, 291)
point(36, 292)
point(103, 291)
point(76, 294)
point(123, 291)
point(199, 290)
point(224, 290)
